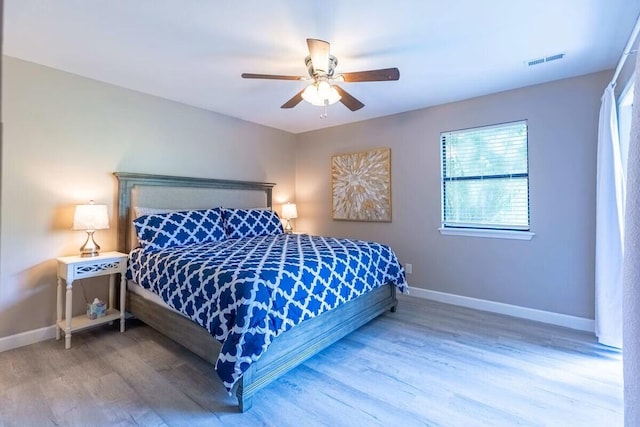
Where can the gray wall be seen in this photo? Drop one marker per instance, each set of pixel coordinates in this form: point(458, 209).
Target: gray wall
point(64, 135)
point(554, 271)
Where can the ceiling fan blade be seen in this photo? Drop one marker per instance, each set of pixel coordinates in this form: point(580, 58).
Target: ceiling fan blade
point(319, 52)
point(349, 101)
point(270, 76)
point(293, 101)
point(385, 74)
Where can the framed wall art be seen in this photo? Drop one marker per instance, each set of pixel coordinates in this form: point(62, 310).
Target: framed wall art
point(361, 185)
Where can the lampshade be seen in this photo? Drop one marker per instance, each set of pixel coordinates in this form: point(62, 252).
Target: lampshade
point(91, 217)
point(320, 92)
point(289, 211)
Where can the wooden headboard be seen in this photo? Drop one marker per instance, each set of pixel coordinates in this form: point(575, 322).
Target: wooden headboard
point(178, 192)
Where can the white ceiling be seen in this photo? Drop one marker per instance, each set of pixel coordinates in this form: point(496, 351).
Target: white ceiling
point(193, 51)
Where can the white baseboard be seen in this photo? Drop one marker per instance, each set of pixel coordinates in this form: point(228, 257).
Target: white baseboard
point(26, 338)
point(573, 322)
point(565, 320)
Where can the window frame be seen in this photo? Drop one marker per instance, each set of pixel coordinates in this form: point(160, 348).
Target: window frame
point(479, 230)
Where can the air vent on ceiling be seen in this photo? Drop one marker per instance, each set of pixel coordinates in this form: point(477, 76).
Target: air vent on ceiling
point(544, 59)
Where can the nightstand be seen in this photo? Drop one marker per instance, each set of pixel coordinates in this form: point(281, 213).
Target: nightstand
point(72, 268)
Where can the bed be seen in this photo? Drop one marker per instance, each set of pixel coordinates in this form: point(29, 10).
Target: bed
point(277, 341)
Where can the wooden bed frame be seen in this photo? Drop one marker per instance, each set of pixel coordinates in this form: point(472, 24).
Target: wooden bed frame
point(289, 349)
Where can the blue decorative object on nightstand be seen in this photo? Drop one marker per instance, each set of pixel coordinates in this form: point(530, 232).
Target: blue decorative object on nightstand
point(96, 309)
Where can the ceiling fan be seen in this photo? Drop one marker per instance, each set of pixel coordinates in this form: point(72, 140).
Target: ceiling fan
point(323, 89)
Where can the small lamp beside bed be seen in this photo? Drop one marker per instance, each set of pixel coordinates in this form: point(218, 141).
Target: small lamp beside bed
point(90, 218)
point(289, 212)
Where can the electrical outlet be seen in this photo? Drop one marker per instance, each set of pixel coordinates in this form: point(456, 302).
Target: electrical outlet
point(408, 268)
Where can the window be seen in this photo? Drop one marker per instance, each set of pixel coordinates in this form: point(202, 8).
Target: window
point(485, 178)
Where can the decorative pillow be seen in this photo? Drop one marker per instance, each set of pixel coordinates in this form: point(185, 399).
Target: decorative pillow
point(179, 228)
point(251, 223)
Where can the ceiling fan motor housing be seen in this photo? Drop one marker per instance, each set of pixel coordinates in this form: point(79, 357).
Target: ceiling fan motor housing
point(318, 71)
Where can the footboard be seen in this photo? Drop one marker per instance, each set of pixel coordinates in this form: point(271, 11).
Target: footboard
point(310, 337)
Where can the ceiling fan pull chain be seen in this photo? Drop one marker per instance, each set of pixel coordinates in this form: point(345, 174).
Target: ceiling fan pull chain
point(326, 107)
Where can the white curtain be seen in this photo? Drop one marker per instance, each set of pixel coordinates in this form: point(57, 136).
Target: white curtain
point(610, 200)
point(631, 307)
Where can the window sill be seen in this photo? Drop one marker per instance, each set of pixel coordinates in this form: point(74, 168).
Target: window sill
point(492, 234)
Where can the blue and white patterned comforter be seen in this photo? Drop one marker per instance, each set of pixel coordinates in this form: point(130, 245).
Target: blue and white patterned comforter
point(247, 291)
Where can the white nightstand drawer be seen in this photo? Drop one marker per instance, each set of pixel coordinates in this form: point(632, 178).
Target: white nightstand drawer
point(103, 267)
point(73, 268)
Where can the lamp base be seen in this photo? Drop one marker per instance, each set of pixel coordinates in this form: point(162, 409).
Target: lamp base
point(90, 247)
point(288, 229)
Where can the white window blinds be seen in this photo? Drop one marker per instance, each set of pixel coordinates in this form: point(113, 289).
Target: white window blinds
point(485, 177)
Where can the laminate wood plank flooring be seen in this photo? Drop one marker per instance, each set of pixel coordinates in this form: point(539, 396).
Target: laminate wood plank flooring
point(428, 364)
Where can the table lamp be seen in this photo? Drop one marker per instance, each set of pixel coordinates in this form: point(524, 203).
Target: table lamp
point(90, 218)
point(289, 212)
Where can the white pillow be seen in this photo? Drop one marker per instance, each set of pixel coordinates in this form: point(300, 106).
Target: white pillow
point(142, 211)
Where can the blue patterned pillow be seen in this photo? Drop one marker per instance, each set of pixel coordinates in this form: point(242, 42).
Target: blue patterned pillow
point(250, 223)
point(180, 228)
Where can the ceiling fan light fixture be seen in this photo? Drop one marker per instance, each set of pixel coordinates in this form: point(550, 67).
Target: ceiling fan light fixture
point(321, 93)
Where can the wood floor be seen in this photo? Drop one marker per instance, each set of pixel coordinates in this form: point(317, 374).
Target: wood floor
point(427, 364)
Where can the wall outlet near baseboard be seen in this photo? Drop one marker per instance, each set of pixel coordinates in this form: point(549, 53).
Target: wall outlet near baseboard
point(408, 268)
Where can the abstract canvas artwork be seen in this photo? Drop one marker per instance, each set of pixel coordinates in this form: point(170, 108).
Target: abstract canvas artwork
point(361, 185)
